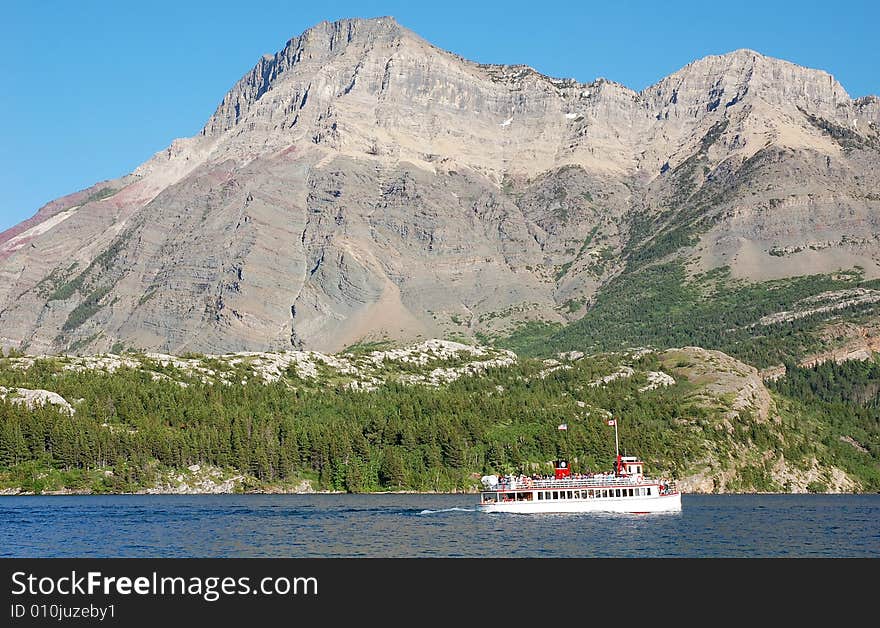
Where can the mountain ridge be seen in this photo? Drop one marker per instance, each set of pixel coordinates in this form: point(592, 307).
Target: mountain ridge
point(867, 101)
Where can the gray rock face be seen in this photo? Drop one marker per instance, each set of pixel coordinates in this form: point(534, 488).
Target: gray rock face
point(363, 183)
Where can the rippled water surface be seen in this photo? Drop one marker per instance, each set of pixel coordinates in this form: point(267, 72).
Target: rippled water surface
point(430, 525)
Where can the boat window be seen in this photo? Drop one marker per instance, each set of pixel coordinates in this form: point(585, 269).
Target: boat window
point(649, 491)
point(569, 494)
point(577, 494)
point(540, 495)
point(555, 495)
point(617, 492)
point(590, 493)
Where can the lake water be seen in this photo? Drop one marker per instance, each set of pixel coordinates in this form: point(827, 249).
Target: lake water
point(219, 526)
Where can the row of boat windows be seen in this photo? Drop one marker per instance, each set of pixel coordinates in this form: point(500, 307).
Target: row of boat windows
point(592, 493)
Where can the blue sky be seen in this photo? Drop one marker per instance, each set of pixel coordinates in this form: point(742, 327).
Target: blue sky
point(92, 88)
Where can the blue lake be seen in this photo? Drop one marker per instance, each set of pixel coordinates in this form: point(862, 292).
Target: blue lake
point(221, 526)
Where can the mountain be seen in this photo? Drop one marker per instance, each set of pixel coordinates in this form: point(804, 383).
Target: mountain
point(362, 183)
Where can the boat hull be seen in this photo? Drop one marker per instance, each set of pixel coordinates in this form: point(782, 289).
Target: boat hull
point(633, 505)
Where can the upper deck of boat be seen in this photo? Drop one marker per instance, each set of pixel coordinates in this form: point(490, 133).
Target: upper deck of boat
point(591, 481)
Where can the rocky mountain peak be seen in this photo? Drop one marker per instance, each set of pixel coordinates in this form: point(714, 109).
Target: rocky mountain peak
point(724, 80)
point(307, 53)
point(336, 36)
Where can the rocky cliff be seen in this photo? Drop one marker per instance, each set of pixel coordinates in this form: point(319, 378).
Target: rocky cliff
point(363, 183)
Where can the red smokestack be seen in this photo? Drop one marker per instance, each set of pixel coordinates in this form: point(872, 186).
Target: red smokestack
point(562, 470)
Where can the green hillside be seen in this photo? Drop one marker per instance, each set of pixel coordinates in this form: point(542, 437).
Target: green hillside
point(661, 306)
point(715, 428)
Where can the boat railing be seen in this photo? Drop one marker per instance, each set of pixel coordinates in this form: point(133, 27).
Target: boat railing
point(574, 482)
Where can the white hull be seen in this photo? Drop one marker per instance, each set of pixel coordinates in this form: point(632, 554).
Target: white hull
point(659, 503)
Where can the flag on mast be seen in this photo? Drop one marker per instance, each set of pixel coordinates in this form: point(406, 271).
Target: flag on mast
point(562, 426)
point(612, 422)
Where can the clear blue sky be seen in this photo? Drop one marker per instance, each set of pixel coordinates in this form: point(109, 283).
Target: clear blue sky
point(92, 88)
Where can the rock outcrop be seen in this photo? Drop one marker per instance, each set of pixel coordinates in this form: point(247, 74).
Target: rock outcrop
point(432, 363)
point(33, 398)
point(723, 382)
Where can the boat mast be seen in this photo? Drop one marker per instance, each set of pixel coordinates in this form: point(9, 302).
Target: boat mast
point(616, 444)
point(619, 467)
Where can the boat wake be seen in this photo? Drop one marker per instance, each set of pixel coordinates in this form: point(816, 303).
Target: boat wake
point(434, 512)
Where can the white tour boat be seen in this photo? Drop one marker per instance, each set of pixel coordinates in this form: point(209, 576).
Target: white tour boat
point(625, 490)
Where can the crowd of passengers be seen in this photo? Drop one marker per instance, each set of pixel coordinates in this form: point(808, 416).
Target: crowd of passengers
point(521, 479)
